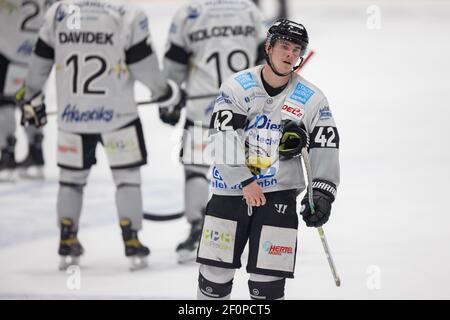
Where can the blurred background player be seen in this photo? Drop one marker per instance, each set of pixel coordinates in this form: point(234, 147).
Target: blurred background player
point(19, 25)
point(99, 49)
point(208, 42)
point(281, 12)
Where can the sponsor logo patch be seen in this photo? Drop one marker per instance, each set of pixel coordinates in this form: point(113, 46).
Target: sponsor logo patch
point(325, 113)
point(26, 48)
point(98, 114)
point(301, 93)
point(277, 248)
point(218, 238)
point(274, 250)
point(246, 80)
point(292, 112)
point(193, 12)
point(261, 121)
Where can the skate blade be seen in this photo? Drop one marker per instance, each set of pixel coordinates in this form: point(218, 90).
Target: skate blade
point(67, 261)
point(138, 263)
point(32, 173)
point(8, 175)
point(186, 256)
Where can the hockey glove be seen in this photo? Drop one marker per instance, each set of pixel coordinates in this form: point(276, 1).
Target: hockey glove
point(293, 139)
point(171, 105)
point(33, 110)
point(323, 196)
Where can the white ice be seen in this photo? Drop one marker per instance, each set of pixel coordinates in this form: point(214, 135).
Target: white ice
point(389, 230)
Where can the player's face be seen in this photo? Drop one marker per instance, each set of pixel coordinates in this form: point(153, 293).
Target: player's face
point(285, 55)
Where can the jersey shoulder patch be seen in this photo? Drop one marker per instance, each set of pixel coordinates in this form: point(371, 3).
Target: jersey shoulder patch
point(246, 80)
point(302, 93)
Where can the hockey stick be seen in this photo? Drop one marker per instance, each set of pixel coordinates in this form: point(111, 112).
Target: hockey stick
point(162, 217)
point(140, 103)
point(305, 156)
point(310, 54)
point(203, 96)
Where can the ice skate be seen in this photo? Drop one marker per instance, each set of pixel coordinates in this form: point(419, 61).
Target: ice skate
point(7, 162)
point(135, 251)
point(187, 250)
point(70, 249)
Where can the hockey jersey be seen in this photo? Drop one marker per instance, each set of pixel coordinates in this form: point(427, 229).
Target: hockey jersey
point(20, 21)
point(99, 49)
point(246, 127)
point(209, 40)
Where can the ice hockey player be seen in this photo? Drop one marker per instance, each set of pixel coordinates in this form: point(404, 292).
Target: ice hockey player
point(208, 42)
point(99, 48)
point(263, 117)
point(19, 24)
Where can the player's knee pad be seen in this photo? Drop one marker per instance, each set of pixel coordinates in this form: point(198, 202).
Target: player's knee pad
point(214, 290)
point(266, 287)
point(127, 177)
point(215, 282)
point(69, 177)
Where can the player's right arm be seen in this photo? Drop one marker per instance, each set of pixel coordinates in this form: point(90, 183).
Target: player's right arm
point(227, 131)
point(227, 128)
point(43, 57)
point(177, 55)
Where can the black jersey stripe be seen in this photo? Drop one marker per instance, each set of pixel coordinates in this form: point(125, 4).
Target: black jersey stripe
point(43, 50)
point(138, 52)
point(178, 54)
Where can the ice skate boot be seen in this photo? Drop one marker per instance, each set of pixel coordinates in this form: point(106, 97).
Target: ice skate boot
point(7, 161)
point(134, 249)
point(70, 249)
point(32, 167)
point(187, 250)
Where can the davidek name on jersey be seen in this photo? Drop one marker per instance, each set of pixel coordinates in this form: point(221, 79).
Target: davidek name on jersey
point(101, 38)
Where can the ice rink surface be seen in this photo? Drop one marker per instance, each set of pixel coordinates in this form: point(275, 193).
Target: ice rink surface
point(389, 232)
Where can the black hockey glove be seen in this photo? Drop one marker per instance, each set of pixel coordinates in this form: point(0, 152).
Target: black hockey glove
point(33, 110)
point(171, 105)
point(323, 196)
point(293, 139)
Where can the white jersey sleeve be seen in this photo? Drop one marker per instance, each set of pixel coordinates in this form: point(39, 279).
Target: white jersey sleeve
point(324, 144)
point(227, 130)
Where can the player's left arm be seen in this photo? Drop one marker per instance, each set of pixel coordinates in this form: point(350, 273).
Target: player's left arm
point(324, 158)
point(324, 145)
